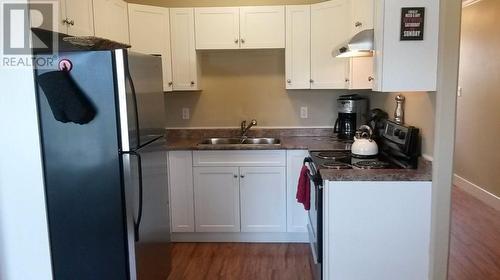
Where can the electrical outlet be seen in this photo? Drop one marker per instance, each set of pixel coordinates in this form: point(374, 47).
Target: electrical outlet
point(459, 92)
point(185, 113)
point(303, 113)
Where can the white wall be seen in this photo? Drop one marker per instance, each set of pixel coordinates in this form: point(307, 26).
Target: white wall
point(24, 242)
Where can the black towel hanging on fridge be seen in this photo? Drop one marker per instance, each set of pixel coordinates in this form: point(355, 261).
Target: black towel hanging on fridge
point(66, 100)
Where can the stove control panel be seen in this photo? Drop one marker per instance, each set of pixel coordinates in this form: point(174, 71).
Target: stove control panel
point(396, 133)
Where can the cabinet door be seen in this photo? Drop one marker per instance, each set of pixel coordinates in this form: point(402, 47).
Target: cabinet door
point(185, 70)
point(217, 199)
point(361, 73)
point(62, 27)
point(328, 34)
point(217, 28)
point(362, 15)
point(296, 215)
point(298, 47)
point(111, 20)
point(180, 167)
point(150, 33)
point(262, 27)
point(80, 14)
point(263, 199)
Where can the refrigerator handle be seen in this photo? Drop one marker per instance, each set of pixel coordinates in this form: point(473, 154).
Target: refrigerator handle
point(137, 222)
point(128, 77)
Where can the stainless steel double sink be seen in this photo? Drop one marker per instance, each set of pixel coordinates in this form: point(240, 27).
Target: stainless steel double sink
point(240, 141)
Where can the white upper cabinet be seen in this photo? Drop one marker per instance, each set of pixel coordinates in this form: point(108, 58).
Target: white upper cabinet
point(185, 68)
point(150, 33)
point(328, 33)
point(240, 27)
point(77, 17)
point(298, 47)
point(405, 65)
point(111, 20)
point(361, 68)
point(362, 15)
point(263, 199)
point(262, 27)
point(361, 73)
point(217, 28)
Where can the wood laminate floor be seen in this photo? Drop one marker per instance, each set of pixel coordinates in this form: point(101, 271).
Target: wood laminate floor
point(240, 261)
point(474, 252)
point(475, 239)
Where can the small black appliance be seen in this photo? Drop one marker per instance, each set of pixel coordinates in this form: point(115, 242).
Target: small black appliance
point(353, 111)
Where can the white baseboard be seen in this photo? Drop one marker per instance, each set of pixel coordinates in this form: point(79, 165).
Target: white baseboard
point(278, 237)
point(476, 191)
point(428, 157)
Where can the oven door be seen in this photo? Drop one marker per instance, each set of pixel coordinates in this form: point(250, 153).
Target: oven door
point(315, 216)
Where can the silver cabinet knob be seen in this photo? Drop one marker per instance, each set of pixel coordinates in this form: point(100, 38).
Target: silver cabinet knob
point(242, 176)
point(370, 79)
point(311, 81)
point(358, 24)
point(346, 80)
point(235, 176)
point(243, 41)
point(289, 81)
point(65, 21)
point(236, 41)
point(72, 22)
point(170, 84)
point(192, 83)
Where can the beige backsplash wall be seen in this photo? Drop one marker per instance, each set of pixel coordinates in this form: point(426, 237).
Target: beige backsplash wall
point(245, 84)
point(419, 112)
point(477, 156)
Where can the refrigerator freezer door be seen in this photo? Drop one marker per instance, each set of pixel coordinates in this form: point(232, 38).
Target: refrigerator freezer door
point(152, 247)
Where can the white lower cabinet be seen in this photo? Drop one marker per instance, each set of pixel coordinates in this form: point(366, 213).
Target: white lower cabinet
point(180, 164)
point(296, 215)
point(216, 199)
point(236, 196)
point(263, 199)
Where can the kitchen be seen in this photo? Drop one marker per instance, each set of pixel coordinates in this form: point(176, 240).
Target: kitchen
point(215, 90)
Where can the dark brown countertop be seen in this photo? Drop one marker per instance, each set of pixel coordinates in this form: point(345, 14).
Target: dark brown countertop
point(422, 173)
point(181, 140)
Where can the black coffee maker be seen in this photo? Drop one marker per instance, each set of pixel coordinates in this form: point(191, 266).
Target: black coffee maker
point(353, 111)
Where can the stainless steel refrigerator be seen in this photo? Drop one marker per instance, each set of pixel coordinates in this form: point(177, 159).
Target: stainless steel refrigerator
point(105, 174)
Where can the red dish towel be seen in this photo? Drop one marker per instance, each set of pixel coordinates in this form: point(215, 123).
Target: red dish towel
point(304, 188)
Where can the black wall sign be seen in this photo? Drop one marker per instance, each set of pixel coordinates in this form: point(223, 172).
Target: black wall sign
point(412, 24)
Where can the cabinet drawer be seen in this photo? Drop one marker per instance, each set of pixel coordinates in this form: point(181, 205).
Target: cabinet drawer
point(239, 158)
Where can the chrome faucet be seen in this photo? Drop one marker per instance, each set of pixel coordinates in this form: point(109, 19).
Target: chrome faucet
point(245, 128)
